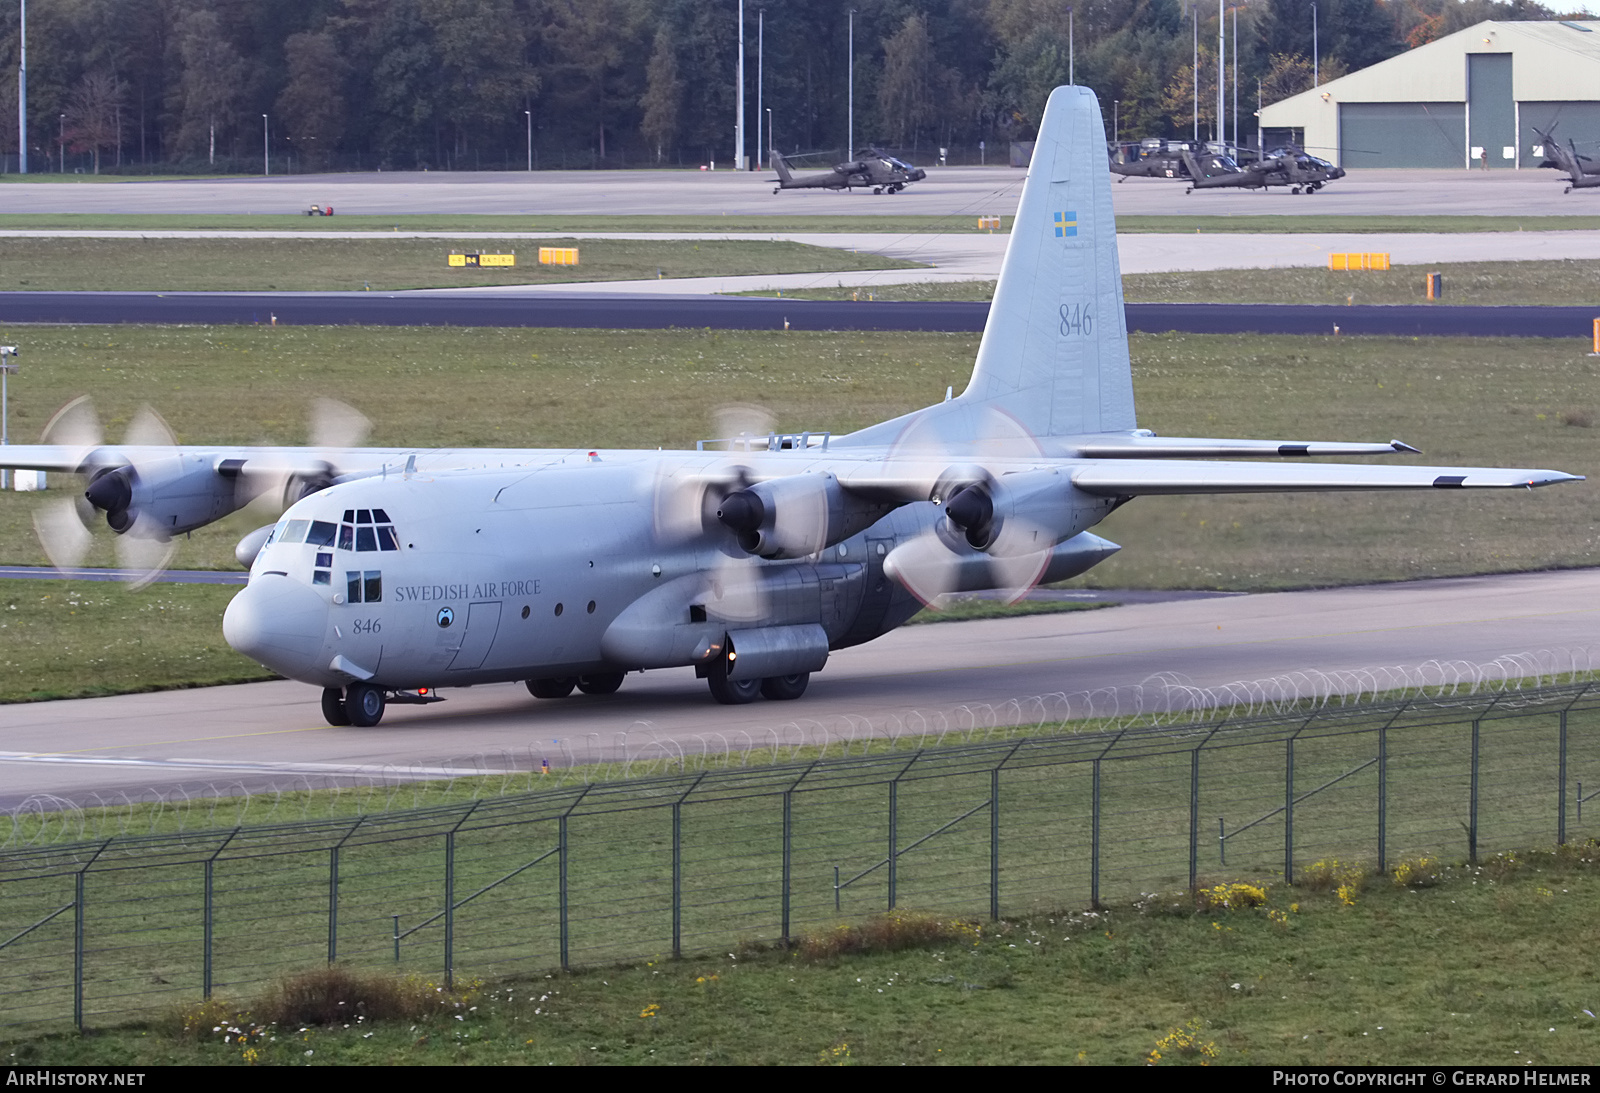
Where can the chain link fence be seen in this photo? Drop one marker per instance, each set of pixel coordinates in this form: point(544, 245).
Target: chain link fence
point(700, 860)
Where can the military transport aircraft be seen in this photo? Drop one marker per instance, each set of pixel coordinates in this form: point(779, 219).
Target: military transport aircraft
point(399, 571)
point(1579, 176)
point(879, 170)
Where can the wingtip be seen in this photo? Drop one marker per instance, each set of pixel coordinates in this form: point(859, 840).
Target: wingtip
point(1402, 446)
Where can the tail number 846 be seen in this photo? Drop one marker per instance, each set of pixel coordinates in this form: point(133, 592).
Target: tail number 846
point(1077, 320)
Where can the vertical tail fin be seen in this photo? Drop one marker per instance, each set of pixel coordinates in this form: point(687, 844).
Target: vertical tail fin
point(1054, 355)
point(781, 165)
point(1055, 351)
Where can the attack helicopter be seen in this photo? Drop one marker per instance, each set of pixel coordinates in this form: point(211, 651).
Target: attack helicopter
point(880, 171)
point(1579, 176)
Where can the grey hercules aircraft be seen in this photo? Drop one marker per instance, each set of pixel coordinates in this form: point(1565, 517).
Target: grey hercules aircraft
point(1579, 177)
point(400, 571)
point(879, 170)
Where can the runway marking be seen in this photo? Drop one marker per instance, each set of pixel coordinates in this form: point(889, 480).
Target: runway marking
point(187, 740)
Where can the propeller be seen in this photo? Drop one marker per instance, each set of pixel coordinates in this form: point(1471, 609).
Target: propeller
point(64, 526)
point(981, 539)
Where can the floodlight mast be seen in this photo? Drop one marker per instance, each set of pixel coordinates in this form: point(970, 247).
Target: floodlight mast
point(22, 95)
point(8, 365)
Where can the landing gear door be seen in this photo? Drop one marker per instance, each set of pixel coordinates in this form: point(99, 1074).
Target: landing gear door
point(483, 622)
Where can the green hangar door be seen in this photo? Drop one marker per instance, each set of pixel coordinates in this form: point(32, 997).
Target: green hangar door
point(1402, 134)
point(1491, 112)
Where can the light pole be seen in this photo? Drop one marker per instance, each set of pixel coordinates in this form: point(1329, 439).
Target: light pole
point(850, 143)
point(740, 163)
point(22, 97)
point(1315, 81)
point(1116, 121)
point(8, 366)
point(769, 136)
point(761, 75)
point(1072, 53)
point(266, 155)
point(529, 115)
point(61, 144)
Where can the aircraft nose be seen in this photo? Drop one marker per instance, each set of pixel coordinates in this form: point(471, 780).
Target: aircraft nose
point(280, 623)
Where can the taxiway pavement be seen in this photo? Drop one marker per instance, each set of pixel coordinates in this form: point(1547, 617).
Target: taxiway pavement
point(260, 735)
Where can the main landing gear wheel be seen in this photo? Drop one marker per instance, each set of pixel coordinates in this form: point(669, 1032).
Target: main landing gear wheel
point(605, 684)
point(782, 688)
point(363, 705)
point(333, 711)
point(552, 688)
point(731, 692)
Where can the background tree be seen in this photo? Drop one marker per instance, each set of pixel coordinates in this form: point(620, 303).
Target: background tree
point(94, 114)
point(210, 88)
point(311, 108)
point(662, 101)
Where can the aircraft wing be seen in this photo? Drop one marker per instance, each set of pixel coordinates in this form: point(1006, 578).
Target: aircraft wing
point(1147, 478)
point(231, 461)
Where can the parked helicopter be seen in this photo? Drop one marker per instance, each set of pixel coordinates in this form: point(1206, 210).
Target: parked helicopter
point(398, 571)
point(879, 170)
point(1579, 175)
point(1288, 166)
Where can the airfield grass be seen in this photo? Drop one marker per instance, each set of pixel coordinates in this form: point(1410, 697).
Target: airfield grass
point(1465, 402)
point(870, 217)
point(319, 265)
point(1488, 966)
point(1558, 281)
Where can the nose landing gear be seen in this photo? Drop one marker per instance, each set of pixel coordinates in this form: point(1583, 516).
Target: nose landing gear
point(360, 705)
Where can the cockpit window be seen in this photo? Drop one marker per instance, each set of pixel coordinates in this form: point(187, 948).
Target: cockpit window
point(362, 537)
point(321, 533)
point(295, 532)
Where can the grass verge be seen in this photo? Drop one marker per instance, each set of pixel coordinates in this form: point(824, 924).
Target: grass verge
point(1554, 282)
point(306, 265)
point(1459, 972)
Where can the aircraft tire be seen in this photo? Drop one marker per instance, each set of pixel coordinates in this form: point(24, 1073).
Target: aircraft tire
point(730, 692)
point(333, 711)
point(551, 688)
point(364, 704)
point(785, 688)
point(603, 684)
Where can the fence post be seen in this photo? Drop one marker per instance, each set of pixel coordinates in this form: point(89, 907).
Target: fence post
point(1383, 798)
point(205, 959)
point(1288, 811)
point(1194, 818)
point(1561, 785)
point(77, 949)
point(561, 840)
point(788, 857)
point(333, 904)
point(333, 891)
point(677, 879)
point(894, 841)
point(994, 844)
point(1094, 838)
point(450, 909)
point(1472, 814)
point(209, 914)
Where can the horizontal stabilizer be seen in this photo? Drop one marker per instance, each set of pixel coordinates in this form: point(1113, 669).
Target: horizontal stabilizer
point(1147, 478)
point(1184, 447)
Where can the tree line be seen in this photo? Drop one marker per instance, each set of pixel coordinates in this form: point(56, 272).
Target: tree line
point(214, 85)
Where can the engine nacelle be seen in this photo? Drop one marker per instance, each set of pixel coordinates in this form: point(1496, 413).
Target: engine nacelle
point(168, 495)
point(1023, 513)
point(791, 517)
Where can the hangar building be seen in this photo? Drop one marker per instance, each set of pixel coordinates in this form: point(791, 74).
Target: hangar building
point(1448, 103)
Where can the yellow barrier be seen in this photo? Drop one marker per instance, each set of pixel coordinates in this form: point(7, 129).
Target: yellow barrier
point(459, 261)
point(1358, 261)
point(992, 223)
point(558, 256)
